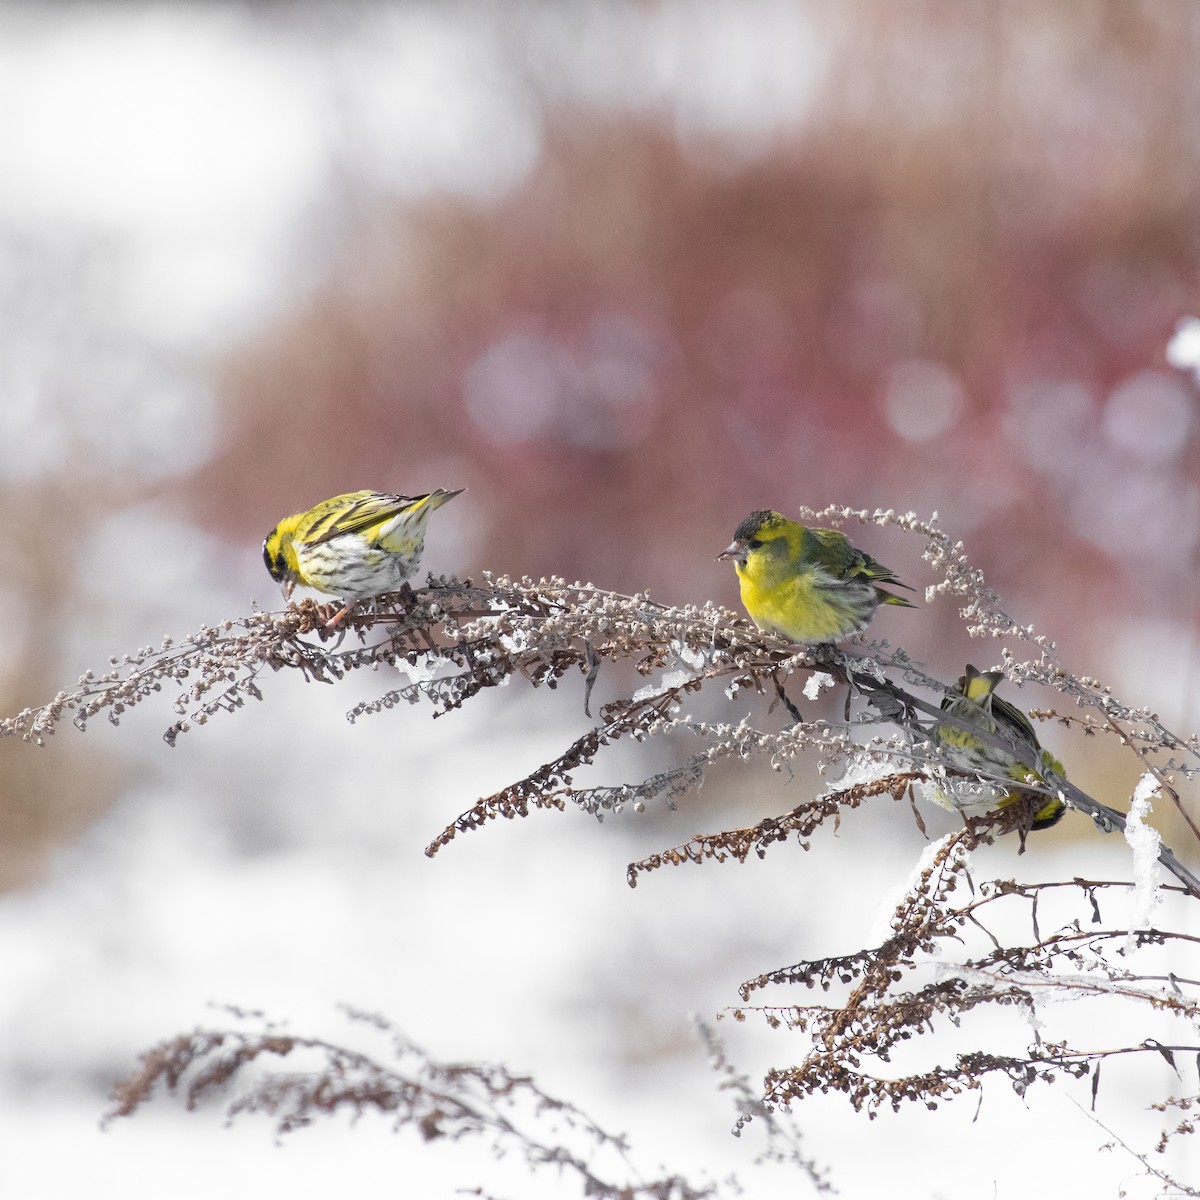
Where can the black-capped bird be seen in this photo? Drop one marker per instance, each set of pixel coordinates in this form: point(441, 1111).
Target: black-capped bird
point(811, 585)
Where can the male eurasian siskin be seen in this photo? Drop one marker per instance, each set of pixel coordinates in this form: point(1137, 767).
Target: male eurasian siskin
point(356, 545)
point(976, 704)
point(811, 585)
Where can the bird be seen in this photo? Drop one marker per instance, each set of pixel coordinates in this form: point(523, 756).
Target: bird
point(811, 585)
point(356, 545)
point(1012, 738)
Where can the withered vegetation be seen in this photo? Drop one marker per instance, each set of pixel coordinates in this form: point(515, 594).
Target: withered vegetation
point(952, 950)
point(397, 1079)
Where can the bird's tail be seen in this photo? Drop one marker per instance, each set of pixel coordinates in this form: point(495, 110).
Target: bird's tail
point(438, 497)
point(891, 598)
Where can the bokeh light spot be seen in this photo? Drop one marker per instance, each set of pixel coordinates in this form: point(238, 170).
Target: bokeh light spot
point(1183, 350)
point(1149, 416)
point(598, 395)
point(922, 400)
point(1049, 424)
point(513, 388)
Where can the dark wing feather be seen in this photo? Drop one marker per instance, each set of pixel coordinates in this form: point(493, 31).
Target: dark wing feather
point(364, 512)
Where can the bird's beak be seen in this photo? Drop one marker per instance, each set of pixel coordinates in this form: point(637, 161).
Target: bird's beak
point(734, 550)
point(287, 587)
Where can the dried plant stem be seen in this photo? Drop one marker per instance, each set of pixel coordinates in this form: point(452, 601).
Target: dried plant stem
point(456, 639)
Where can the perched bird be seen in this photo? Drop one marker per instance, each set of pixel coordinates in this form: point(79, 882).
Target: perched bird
point(811, 585)
point(353, 546)
point(976, 704)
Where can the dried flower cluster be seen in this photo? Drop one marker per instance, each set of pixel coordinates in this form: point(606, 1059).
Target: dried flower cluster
point(454, 639)
point(452, 1101)
point(893, 997)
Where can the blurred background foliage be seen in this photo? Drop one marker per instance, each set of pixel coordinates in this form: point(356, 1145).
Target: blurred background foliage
point(624, 271)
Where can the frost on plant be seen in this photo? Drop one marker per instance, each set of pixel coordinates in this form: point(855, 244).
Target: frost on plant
point(452, 640)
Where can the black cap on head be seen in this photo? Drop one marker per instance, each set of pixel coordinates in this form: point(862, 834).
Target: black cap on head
point(753, 524)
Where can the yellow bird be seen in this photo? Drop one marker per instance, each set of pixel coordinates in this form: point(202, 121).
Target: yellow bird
point(811, 585)
point(976, 704)
point(356, 545)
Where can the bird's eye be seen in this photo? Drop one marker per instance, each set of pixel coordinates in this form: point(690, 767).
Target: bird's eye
point(754, 543)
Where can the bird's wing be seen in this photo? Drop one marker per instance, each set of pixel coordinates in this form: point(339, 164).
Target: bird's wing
point(831, 550)
point(876, 571)
point(1010, 715)
point(363, 510)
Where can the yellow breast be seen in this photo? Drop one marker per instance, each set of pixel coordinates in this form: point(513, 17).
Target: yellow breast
point(798, 608)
